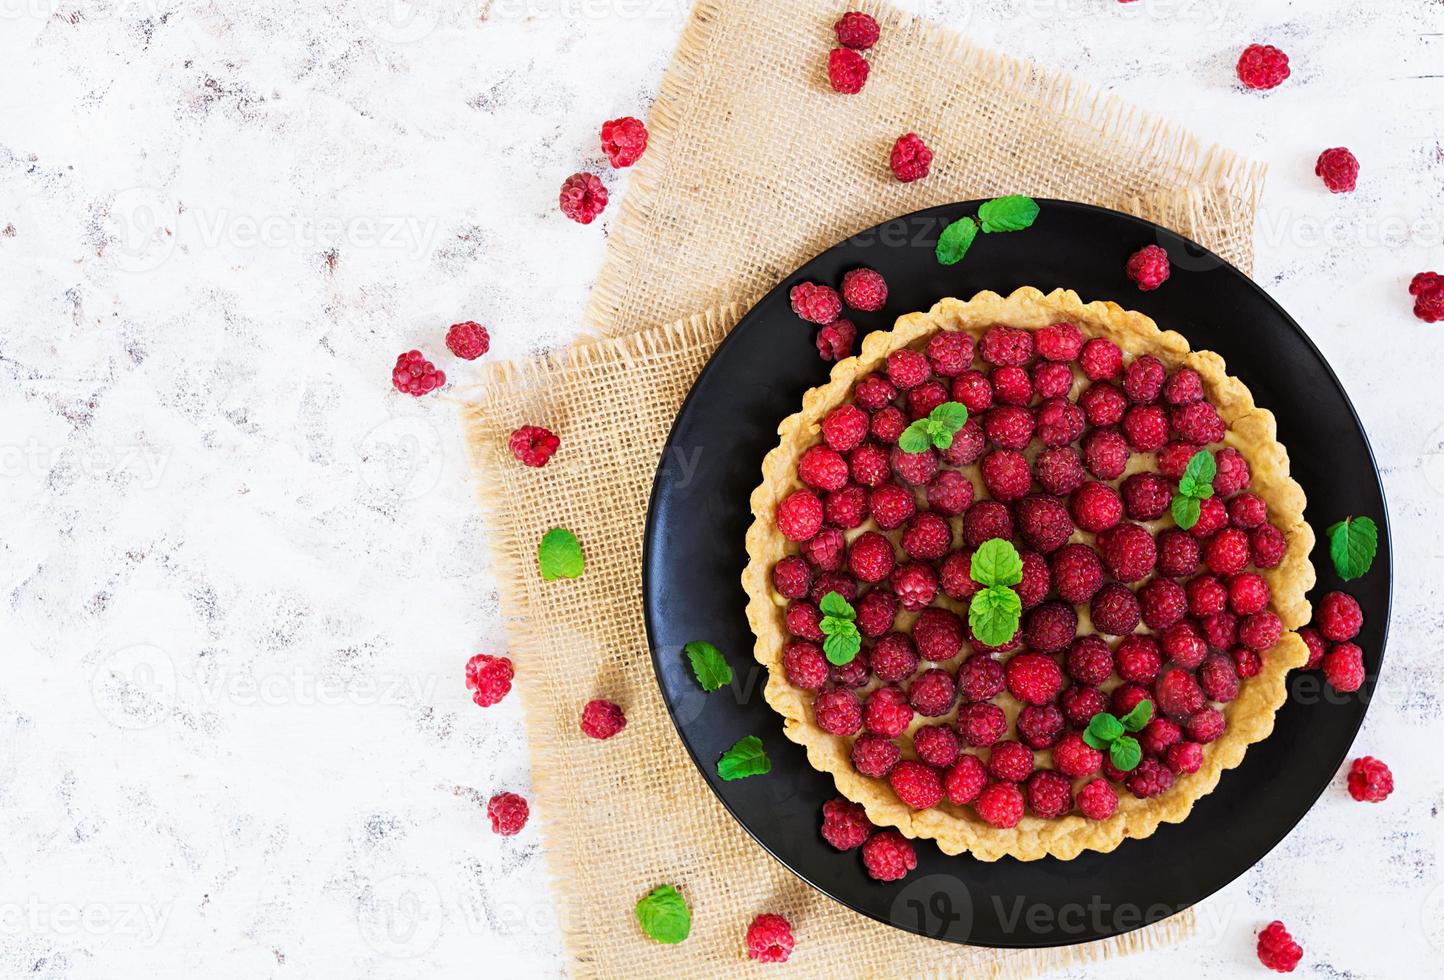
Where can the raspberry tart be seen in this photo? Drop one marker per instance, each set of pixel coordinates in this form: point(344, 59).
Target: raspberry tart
point(1027, 575)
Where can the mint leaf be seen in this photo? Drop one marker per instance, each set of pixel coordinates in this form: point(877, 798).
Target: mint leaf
point(835, 606)
point(1186, 511)
point(664, 916)
point(994, 614)
point(1126, 753)
point(1012, 213)
point(1104, 728)
point(709, 665)
point(1353, 543)
point(917, 437)
point(559, 555)
point(746, 758)
point(1140, 715)
point(842, 641)
point(955, 241)
point(950, 417)
point(996, 562)
point(1197, 479)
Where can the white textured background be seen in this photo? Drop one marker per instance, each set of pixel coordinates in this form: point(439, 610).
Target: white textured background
point(241, 575)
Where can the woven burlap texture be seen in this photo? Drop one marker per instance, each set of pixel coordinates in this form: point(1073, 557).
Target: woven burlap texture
point(755, 164)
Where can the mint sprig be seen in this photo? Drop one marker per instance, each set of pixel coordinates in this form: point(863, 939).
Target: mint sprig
point(559, 555)
point(1194, 487)
point(936, 429)
point(1012, 213)
point(1107, 732)
point(746, 758)
point(663, 915)
point(996, 609)
point(709, 665)
point(1353, 543)
point(841, 639)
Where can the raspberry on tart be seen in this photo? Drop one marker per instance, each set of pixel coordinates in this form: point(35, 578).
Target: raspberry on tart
point(1080, 422)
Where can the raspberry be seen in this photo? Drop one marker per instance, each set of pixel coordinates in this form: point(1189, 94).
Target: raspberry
point(847, 71)
point(1178, 553)
point(911, 159)
point(468, 340)
point(1097, 800)
point(956, 576)
point(968, 445)
point(1009, 426)
point(938, 634)
point(1218, 678)
point(965, 780)
point(1139, 659)
point(415, 375)
point(926, 397)
point(1248, 594)
point(1143, 379)
point(1344, 667)
point(838, 711)
point(1184, 758)
point(1183, 645)
point(1089, 660)
point(1060, 470)
point(1262, 66)
point(1427, 288)
point(1370, 781)
point(873, 755)
point(887, 425)
point(1146, 428)
point(1012, 385)
point(1043, 523)
point(1206, 726)
point(974, 390)
point(1276, 948)
point(1248, 663)
point(950, 353)
point(868, 465)
point(815, 303)
point(1037, 580)
point(933, 694)
point(1267, 545)
point(583, 197)
point(1177, 694)
point(834, 341)
point(853, 675)
point(856, 30)
point(532, 445)
point(1077, 573)
point(1060, 422)
point(1129, 551)
point(1339, 617)
point(1052, 380)
point(894, 657)
point(888, 856)
point(769, 939)
point(826, 549)
point(1006, 345)
point(844, 823)
point(1040, 726)
point(1146, 496)
point(1260, 631)
point(602, 719)
point(1183, 387)
point(937, 745)
point(1173, 459)
point(1033, 678)
point(1059, 342)
point(845, 508)
point(980, 678)
point(1051, 627)
point(907, 368)
point(1096, 507)
point(1148, 267)
point(799, 516)
point(833, 582)
point(985, 520)
point(891, 506)
point(1150, 779)
point(507, 813)
point(1080, 704)
point(1221, 630)
point(488, 678)
point(1247, 511)
point(915, 469)
point(1075, 758)
point(864, 289)
point(981, 723)
point(1317, 645)
point(624, 140)
point(1005, 475)
point(950, 493)
point(1158, 735)
point(1339, 168)
point(1000, 805)
point(802, 621)
point(1227, 552)
point(1233, 473)
point(1101, 360)
point(1103, 404)
point(916, 585)
point(1050, 796)
point(844, 428)
point(873, 392)
point(1198, 422)
point(804, 665)
point(1206, 596)
point(823, 468)
point(918, 785)
point(886, 712)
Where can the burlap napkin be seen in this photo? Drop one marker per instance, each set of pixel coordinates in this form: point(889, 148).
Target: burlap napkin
point(753, 168)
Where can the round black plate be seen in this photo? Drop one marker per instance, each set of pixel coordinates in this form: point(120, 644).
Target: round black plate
point(694, 556)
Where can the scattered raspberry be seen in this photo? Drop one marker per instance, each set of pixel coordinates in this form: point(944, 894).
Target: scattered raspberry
point(1148, 267)
point(1050, 796)
point(1276, 948)
point(583, 197)
point(965, 780)
point(1177, 694)
point(980, 678)
point(1344, 667)
point(834, 341)
point(624, 140)
point(805, 665)
point(1178, 553)
point(1006, 476)
point(1317, 645)
point(1101, 360)
point(981, 723)
point(1059, 342)
point(1184, 758)
point(1040, 726)
point(873, 392)
point(864, 289)
point(468, 340)
point(1339, 168)
point(415, 375)
point(1129, 551)
point(815, 303)
point(799, 516)
point(1339, 617)
point(888, 856)
point(847, 71)
point(769, 939)
point(1012, 385)
point(1149, 779)
point(856, 30)
point(916, 784)
point(937, 745)
point(488, 678)
point(602, 719)
point(987, 519)
point(1262, 66)
point(1000, 805)
point(844, 823)
point(533, 445)
point(1370, 781)
point(911, 159)
point(1060, 470)
point(1427, 288)
point(950, 353)
point(1002, 346)
point(507, 813)
point(1097, 800)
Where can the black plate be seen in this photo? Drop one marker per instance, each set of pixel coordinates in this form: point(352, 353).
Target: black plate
point(694, 556)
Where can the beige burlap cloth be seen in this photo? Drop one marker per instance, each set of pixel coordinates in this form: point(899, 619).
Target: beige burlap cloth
point(753, 167)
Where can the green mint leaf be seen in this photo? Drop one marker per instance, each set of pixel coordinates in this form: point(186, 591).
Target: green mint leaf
point(1141, 714)
point(955, 241)
point(949, 416)
point(1126, 753)
point(916, 438)
point(1105, 729)
point(994, 614)
point(1353, 543)
point(1199, 472)
point(709, 665)
point(996, 562)
point(664, 916)
point(1094, 742)
point(1012, 213)
point(746, 758)
point(841, 644)
point(938, 435)
point(834, 605)
point(1186, 511)
point(559, 555)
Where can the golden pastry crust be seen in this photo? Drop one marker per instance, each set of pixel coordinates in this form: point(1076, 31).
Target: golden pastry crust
point(1251, 430)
